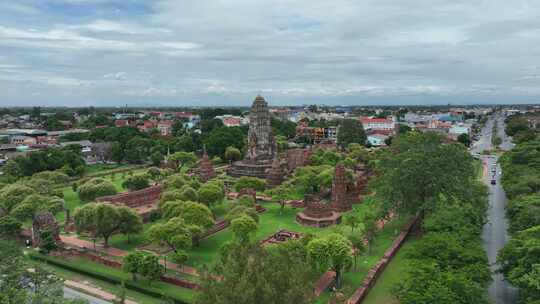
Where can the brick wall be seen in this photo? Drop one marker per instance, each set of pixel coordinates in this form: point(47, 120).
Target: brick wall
point(135, 198)
point(368, 282)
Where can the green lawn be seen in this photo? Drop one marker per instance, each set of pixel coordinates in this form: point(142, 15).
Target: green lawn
point(383, 240)
point(393, 273)
point(269, 222)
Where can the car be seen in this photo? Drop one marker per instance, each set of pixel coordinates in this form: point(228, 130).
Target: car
point(493, 182)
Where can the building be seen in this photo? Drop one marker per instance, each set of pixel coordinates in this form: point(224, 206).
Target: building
point(378, 124)
point(233, 121)
point(121, 123)
point(165, 127)
point(21, 140)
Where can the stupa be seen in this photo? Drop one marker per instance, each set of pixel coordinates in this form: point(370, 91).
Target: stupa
point(261, 148)
point(206, 168)
point(341, 200)
point(275, 175)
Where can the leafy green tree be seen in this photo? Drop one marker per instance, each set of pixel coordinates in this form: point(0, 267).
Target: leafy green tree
point(524, 212)
point(19, 285)
point(351, 131)
point(48, 243)
point(9, 226)
point(220, 138)
point(333, 252)
point(232, 154)
point(13, 195)
point(94, 188)
point(241, 210)
point(156, 158)
point(245, 182)
point(174, 233)
point(137, 149)
point(136, 182)
point(117, 152)
point(352, 220)
point(130, 222)
point(132, 263)
point(182, 159)
point(254, 274)
point(419, 170)
point(187, 193)
point(464, 139)
point(243, 228)
point(103, 219)
point(210, 194)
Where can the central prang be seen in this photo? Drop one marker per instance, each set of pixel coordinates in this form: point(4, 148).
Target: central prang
point(261, 148)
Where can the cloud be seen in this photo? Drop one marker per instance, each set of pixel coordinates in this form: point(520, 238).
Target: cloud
point(220, 52)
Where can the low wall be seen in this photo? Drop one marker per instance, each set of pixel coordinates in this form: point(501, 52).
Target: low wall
point(374, 273)
point(135, 198)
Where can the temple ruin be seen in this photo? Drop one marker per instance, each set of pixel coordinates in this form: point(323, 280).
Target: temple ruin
point(261, 148)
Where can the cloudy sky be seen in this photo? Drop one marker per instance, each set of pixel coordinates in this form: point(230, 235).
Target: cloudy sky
point(224, 52)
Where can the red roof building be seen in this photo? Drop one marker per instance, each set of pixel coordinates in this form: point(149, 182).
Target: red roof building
point(381, 124)
point(121, 123)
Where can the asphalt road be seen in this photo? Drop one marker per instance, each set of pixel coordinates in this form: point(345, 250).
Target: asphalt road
point(495, 231)
point(74, 294)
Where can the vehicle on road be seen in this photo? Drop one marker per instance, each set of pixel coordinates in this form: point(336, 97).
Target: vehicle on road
point(493, 182)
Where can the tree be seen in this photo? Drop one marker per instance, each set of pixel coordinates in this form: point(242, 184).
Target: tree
point(130, 221)
point(419, 170)
point(19, 285)
point(103, 219)
point(156, 158)
point(352, 220)
point(524, 212)
point(132, 263)
point(48, 243)
point(254, 274)
point(94, 188)
point(182, 159)
point(351, 131)
point(187, 193)
point(243, 227)
point(137, 149)
point(175, 233)
point(245, 182)
point(117, 152)
point(136, 182)
point(210, 194)
point(464, 139)
point(220, 138)
point(9, 226)
point(232, 154)
point(333, 252)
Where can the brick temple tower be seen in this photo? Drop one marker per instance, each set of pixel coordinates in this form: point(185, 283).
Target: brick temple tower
point(340, 198)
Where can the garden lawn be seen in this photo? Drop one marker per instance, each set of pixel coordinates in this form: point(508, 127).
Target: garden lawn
point(392, 274)
point(352, 279)
point(269, 223)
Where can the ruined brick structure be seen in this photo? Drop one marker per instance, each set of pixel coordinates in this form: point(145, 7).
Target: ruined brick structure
point(317, 213)
point(206, 168)
point(261, 148)
point(134, 199)
point(341, 201)
point(297, 158)
point(142, 201)
point(275, 175)
point(43, 221)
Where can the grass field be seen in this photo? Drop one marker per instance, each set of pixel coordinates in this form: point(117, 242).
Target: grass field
point(393, 274)
point(383, 240)
point(269, 222)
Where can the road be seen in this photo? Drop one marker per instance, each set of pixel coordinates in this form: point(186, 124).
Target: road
point(495, 231)
point(74, 294)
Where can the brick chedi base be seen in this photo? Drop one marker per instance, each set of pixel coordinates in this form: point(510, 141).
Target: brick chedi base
point(318, 214)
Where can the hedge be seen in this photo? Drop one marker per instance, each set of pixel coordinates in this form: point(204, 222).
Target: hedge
point(109, 279)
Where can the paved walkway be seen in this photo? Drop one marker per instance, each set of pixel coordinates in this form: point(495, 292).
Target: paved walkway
point(94, 291)
point(74, 241)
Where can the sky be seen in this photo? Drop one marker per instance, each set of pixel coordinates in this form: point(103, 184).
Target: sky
point(225, 52)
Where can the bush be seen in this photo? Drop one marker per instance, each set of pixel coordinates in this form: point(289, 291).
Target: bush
point(136, 182)
point(94, 188)
point(249, 182)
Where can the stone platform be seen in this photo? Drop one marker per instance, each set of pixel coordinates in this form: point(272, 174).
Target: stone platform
point(258, 169)
point(333, 218)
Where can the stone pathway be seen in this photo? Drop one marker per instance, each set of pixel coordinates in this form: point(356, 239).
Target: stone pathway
point(94, 291)
point(74, 241)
